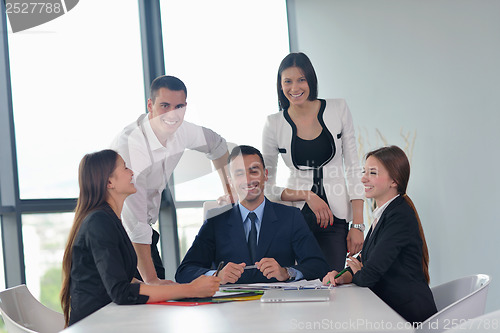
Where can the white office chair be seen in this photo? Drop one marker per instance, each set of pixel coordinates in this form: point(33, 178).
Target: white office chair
point(457, 300)
point(194, 164)
point(212, 208)
point(21, 312)
point(489, 322)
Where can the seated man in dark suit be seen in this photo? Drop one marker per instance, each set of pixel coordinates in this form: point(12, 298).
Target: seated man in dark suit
point(273, 237)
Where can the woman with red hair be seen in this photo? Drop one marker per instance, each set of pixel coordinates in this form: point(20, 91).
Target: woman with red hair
point(394, 261)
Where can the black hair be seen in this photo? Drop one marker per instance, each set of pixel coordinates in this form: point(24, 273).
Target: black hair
point(301, 61)
point(245, 150)
point(168, 82)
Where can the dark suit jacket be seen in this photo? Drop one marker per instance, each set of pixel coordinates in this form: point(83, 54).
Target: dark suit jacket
point(103, 265)
point(284, 236)
point(392, 263)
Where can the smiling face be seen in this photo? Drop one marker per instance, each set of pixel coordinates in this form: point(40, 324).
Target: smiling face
point(120, 180)
point(248, 178)
point(378, 184)
point(294, 85)
point(166, 112)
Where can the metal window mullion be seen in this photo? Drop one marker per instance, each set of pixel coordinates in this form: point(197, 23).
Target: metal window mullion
point(153, 62)
point(153, 66)
point(12, 239)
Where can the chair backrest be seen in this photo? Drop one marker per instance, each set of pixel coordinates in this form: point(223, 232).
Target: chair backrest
point(489, 322)
point(21, 312)
point(208, 205)
point(456, 301)
point(212, 208)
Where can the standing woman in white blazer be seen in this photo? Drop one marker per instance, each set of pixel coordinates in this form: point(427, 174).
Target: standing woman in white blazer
point(315, 138)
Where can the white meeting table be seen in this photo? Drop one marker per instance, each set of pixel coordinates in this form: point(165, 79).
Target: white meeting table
point(351, 308)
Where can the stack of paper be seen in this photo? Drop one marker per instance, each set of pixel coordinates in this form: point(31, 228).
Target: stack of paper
point(302, 284)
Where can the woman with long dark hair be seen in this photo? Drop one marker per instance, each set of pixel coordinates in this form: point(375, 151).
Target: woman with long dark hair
point(394, 261)
point(99, 260)
point(315, 138)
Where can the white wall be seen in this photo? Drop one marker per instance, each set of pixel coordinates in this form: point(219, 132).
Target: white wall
point(430, 66)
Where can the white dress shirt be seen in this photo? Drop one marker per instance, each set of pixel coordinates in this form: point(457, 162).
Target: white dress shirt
point(377, 212)
point(247, 224)
point(153, 164)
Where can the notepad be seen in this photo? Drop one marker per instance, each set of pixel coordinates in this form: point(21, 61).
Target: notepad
point(279, 296)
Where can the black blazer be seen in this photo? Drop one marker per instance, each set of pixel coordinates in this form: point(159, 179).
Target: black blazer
point(103, 265)
point(284, 236)
point(392, 263)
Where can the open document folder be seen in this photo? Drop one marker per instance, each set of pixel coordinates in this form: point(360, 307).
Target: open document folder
point(247, 292)
point(295, 285)
point(218, 297)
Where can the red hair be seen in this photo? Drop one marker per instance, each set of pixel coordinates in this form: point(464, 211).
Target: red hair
point(395, 161)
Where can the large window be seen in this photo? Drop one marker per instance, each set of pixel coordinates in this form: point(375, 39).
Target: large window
point(45, 237)
point(76, 82)
point(227, 52)
point(188, 222)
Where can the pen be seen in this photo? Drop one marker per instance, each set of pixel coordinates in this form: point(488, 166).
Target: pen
point(338, 275)
point(250, 267)
point(221, 264)
point(354, 256)
point(341, 272)
point(345, 269)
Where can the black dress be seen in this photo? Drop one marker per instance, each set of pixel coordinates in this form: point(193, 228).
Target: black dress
point(103, 265)
point(313, 154)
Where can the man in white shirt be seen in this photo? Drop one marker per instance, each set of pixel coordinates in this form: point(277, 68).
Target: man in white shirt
point(152, 147)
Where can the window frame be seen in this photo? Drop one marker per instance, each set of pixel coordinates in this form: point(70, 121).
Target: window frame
point(12, 207)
